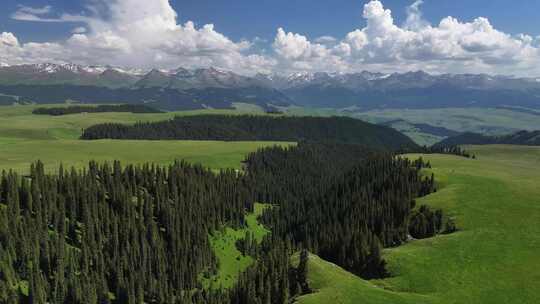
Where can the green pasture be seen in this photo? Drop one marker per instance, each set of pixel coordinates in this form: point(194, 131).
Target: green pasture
point(493, 258)
point(26, 138)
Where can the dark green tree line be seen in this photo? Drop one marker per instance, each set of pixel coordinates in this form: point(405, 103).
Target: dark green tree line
point(265, 128)
point(129, 108)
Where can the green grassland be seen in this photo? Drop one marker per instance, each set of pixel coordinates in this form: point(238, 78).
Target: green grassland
point(19, 154)
point(495, 200)
point(25, 138)
point(491, 121)
point(231, 261)
point(416, 134)
point(494, 258)
point(483, 120)
point(19, 122)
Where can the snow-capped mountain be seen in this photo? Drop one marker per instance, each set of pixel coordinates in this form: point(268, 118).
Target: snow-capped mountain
point(196, 79)
point(412, 90)
point(52, 68)
point(304, 79)
point(363, 90)
point(54, 74)
point(168, 89)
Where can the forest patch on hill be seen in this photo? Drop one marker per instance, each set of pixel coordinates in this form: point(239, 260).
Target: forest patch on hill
point(261, 128)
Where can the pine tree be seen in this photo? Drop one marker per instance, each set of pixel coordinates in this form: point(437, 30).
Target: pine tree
point(302, 271)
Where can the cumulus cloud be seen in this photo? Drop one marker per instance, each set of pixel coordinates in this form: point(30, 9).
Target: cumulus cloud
point(8, 40)
point(148, 34)
point(450, 46)
point(296, 47)
point(134, 33)
point(296, 52)
point(415, 20)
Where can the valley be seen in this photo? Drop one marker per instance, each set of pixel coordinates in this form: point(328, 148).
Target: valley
point(429, 126)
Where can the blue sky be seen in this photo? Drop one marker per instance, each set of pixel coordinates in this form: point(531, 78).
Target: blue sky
point(277, 35)
point(240, 19)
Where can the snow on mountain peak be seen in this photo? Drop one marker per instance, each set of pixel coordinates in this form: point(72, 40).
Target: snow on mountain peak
point(52, 68)
point(94, 69)
point(301, 77)
point(129, 71)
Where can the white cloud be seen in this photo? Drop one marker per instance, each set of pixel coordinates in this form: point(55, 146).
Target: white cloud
point(295, 46)
point(414, 17)
point(79, 30)
point(43, 14)
point(148, 34)
point(450, 46)
point(296, 52)
point(22, 16)
point(8, 40)
point(35, 10)
point(136, 33)
point(325, 40)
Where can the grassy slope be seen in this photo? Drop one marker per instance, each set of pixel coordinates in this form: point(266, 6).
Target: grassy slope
point(231, 261)
point(416, 134)
point(18, 155)
point(25, 138)
point(480, 120)
point(493, 259)
point(19, 122)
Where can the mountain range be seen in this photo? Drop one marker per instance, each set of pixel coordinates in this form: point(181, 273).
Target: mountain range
point(199, 88)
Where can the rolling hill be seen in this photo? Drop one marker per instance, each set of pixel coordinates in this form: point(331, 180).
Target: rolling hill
point(523, 138)
point(492, 259)
point(259, 128)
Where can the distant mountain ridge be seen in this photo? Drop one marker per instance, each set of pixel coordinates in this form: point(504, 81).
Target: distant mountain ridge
point(179, 89)
point(524, 138)
point(211, 86)
point(419, 89)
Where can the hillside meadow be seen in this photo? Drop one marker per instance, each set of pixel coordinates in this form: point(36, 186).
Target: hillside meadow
point(495, 200)
point(26, 138)
point(493, 258)
point(493, 121)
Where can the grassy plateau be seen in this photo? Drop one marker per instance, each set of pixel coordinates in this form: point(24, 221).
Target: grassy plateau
point(25, 138)
point(494, 258)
